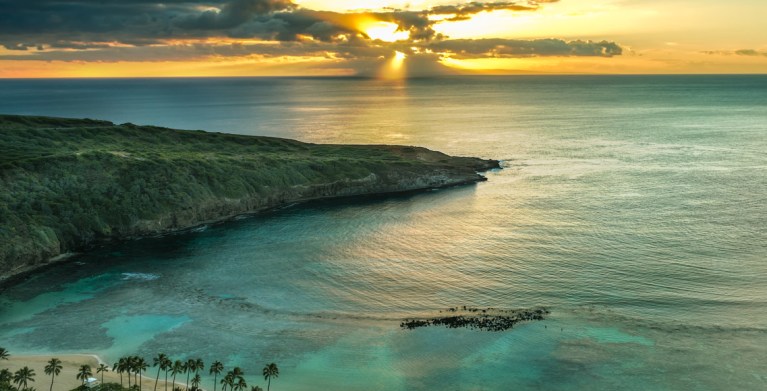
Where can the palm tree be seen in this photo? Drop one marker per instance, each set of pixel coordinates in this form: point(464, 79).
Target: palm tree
point(189, 367)
point(216, 368)
point(84, 373)
point(140, 365)
point(127, 366)
point(270, 371)
point(196, 381)
point(157, 362)
point(4, 354)
point(240, 385)
point(177, 368)
point(166, 365)
point(131, 369)
point(22, 376)
point(199, 365)
point(5, 379)
point(228, 380)
point(101, 369)
point(53, 368)
point(238, 379)
point(117, 368)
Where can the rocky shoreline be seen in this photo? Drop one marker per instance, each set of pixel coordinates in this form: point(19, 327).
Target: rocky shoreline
point(70, 185)
point(9, 279)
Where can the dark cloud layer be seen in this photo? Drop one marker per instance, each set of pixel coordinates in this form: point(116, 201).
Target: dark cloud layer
point(175, 30)
point(356, 49)
point(505, 48)
point(741, 52)
point(465, 11)
point(232, 14)
point(29, 23)
point(750, 52)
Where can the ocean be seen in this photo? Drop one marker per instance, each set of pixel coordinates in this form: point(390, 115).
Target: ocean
point(633, 207)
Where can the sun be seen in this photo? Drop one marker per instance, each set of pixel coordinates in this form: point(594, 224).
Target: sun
point(385, 31)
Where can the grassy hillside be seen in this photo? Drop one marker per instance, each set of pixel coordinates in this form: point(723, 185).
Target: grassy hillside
point(65, 183)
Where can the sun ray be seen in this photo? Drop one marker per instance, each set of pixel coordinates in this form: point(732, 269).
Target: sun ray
point(394, 68)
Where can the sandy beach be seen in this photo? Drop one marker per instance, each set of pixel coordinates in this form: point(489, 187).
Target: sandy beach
point(67, 379)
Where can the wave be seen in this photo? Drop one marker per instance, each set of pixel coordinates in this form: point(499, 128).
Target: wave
point(139, 276)
point(233, 303)
point(606, 315)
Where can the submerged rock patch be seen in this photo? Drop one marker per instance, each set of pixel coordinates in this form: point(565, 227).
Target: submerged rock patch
point(487, 319)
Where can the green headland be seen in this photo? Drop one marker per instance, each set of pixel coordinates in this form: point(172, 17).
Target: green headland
point(69, 184)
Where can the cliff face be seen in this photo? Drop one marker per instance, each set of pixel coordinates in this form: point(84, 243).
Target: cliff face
point(67, 184)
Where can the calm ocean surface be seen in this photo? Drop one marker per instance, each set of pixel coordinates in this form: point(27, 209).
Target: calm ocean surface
point(635, 207)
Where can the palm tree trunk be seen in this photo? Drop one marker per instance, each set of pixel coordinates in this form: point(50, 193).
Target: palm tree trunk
point(166, 380)
point(139, 380)
point(215, 375)
point(157, 379)
point(53, 376)
point(121, 380)
point(174, 382)
point(187, 380)
point(129, 380)
point(269, 384)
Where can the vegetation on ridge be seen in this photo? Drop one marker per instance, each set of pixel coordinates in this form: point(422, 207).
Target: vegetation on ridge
point(65, 183)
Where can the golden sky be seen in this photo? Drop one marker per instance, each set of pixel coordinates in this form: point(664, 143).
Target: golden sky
point(135, 38)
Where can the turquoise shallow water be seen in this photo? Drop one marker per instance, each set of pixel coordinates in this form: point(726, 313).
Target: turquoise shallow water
point(633, 206)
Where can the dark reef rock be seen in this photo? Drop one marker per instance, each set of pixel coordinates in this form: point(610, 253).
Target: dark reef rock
point(488, 319)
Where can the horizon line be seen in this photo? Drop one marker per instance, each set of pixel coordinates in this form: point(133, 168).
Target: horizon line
point(363, 77)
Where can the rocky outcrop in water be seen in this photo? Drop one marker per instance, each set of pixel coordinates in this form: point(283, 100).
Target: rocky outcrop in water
point(488, 319)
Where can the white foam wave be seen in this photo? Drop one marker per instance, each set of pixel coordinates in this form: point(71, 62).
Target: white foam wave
point(140, 276)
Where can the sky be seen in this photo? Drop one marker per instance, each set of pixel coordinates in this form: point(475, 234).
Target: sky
point(386, 39)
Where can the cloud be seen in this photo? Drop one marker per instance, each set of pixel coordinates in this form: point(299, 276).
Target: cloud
point(232, 14)
point(188, 30)
point(750, 52)
point(17, 46)
point(465, 11)
point(351, 50)
point(31, 23)
point(741, 52)
point(513, 48)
